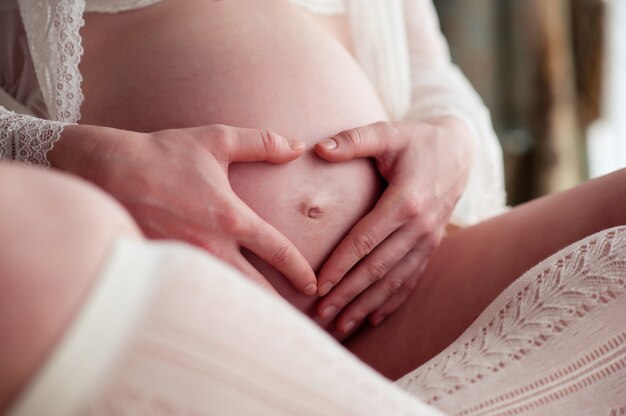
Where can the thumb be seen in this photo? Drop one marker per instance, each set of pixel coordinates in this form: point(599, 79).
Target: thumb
point(250, 145)
point(366, 141)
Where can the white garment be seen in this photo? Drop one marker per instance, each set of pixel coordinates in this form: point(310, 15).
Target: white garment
point(552, 343)
point(189, 335)
point(168, 329)
point(397, 43)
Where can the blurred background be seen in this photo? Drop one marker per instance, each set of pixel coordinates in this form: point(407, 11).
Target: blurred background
point(549, 72)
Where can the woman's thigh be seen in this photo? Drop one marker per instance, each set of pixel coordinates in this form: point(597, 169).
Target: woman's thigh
point(55, 232)
point(472, 266)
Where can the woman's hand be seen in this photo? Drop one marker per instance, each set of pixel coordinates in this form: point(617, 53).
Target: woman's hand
point(175, 185)
point(426, 166)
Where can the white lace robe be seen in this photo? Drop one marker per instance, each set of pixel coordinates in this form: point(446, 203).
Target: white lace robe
point(188, 335)
point(553, 343)
point(397, 43)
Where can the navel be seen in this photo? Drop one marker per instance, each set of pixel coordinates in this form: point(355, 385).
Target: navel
point(311, 210)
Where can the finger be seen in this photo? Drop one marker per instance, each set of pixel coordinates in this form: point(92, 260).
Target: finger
point(364, 237)
point(279, 252)
point(392, 304)
point(250, 145)
point(369, 271)
point(367, 141)
point(253, 274)
point(376, 295)
point(230, 254)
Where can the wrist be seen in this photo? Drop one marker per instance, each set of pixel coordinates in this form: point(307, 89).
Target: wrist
point(457, 132)
point(455, 127)
point(456, 145)
point(80, 147)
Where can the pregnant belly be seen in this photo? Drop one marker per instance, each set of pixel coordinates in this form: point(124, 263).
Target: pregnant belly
point(252, 63)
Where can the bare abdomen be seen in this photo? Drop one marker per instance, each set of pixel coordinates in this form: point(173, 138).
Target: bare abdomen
point(252, 63)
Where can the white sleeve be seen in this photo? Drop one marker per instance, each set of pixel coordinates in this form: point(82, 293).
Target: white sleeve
point(23, 138)
point(27, 139)
point(439, 88)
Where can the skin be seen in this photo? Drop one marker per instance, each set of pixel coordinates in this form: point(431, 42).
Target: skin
point(250, 75)
point(236, 82)
point(378, 258)
point(55, 232)
point(463, 276)
point(366, 272)
point(215, 219)
point(470, 268)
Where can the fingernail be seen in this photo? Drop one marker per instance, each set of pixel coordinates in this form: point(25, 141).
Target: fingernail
point(328, 312)
point(328, 144)
point(377, 320)
point(325, 288)
point(347, 327)
point(311, 289)
point(297, 145)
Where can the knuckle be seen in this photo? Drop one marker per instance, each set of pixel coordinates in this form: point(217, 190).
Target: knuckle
point(394, 285)
point(281, 256)
point(430, 238)
point(383, 129)
point(410, 284)
point(382, 126)
point(353, 137)
point(376, 269)
point(221, 138)
point(431, 245)
point(429, 224)
point(345, 298)
point(270, 142)
point(231, 222)
point(360, 312)
point(409, 208)
point(414, 260)
point(363, 245)
point(220, 132)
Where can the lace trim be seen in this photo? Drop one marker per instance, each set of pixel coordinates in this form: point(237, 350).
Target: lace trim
point(55, 46)
point(564, 288)
point(27, 139)
point(601, 363)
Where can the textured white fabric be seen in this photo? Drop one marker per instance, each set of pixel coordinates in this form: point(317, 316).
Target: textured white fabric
point(553, 343)
point(209, 342)
point(55, 47)
point(91, 345)
point(397, 42)
point(27, 139)
point(399, 45)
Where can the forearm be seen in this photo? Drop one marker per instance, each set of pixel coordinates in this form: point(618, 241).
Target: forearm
point(83, 149)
